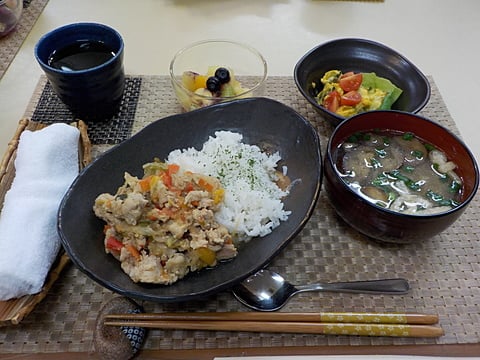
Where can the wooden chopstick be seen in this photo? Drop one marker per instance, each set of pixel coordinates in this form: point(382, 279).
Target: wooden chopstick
point(326, 317)
point(257, 322)
point(396, 330)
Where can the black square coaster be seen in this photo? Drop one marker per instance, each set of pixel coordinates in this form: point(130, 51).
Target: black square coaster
point(50, 109)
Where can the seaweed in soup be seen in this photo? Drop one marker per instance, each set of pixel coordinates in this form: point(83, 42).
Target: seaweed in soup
point(399, 171)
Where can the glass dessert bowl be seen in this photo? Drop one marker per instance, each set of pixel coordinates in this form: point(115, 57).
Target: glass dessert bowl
point(214, 71)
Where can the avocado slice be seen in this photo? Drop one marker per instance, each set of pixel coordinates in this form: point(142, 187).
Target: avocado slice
point(372, 81)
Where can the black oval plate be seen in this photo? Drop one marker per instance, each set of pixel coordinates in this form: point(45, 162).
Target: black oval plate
point(261, 121)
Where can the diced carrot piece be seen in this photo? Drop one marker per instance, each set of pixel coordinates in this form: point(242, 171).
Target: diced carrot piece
point(145, 183)
point(204, 184)
point(173, 169)
point(133, 251)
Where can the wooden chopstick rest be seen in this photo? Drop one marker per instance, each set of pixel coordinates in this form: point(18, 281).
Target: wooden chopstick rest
point(118, 343)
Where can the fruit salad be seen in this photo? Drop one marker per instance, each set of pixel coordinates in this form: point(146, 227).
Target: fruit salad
point(216, 85)
point(348, 94)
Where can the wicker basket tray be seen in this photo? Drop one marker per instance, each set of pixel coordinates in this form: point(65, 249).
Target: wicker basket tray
point(13, 311)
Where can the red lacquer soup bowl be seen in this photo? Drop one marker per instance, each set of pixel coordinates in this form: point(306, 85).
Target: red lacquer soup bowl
point(378, 222)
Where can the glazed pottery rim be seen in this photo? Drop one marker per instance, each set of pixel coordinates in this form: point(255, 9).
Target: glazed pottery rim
point(245, 46)
point(329, 152)
point(70, 26)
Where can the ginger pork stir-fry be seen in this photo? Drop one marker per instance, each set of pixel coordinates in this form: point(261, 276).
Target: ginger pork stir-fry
point(162, 227)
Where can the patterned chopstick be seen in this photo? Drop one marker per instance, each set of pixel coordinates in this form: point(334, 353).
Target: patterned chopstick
point(326, 317)
point(359, 324)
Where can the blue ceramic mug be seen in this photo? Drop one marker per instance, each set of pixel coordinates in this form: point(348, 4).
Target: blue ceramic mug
point(84, 64)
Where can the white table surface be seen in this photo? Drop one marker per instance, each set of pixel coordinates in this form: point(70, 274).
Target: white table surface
point(439, 36)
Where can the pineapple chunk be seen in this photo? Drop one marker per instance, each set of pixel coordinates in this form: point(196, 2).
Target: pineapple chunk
point(211, 69)
point(227, 90)
point(193, 81)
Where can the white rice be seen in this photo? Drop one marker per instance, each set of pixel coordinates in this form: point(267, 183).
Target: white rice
point(253, 202)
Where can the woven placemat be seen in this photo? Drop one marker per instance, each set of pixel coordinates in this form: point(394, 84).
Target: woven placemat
point(10, 44)
point(444, 271)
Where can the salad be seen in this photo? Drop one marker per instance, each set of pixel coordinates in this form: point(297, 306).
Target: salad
point(350, 93)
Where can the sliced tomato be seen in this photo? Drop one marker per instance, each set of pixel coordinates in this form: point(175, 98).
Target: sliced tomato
point(332, 101)
point(351, 82)
point(347, 74)
point(351, 98)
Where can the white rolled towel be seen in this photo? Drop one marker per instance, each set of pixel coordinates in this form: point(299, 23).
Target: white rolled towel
point(45, 166)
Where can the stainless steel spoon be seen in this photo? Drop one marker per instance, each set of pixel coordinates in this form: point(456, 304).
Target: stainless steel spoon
point(269, 291)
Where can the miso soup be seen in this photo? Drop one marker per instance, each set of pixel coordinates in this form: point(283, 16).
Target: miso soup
point(400, 172)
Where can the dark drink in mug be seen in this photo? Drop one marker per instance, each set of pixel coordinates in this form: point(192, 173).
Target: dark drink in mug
point(84, 64)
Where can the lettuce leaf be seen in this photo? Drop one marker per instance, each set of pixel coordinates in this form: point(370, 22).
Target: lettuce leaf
point(372, 81)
